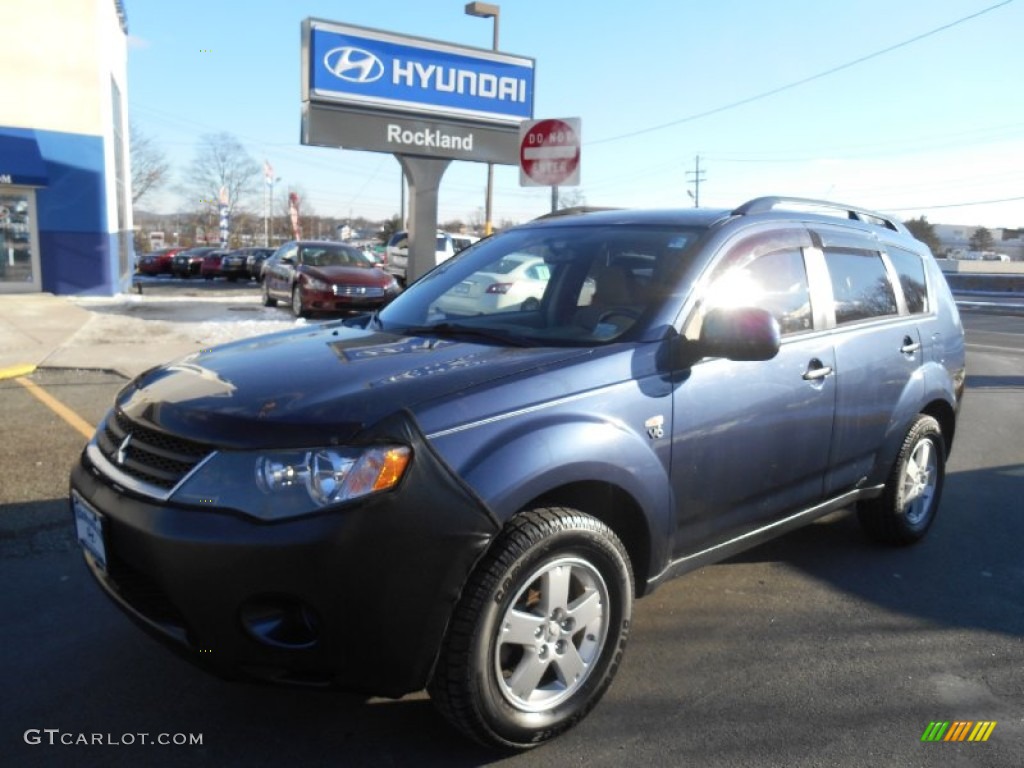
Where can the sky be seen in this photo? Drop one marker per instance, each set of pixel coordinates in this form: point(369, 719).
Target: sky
point(909, 107)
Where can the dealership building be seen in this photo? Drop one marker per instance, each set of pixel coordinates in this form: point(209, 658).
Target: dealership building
point(65, 197)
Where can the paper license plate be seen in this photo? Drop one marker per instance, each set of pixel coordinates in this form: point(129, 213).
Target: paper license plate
point(89, 524)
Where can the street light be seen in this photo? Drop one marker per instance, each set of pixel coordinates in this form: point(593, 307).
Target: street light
point(487, 11)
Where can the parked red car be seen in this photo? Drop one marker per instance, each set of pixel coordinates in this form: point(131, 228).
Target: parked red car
point(158, 262)
point(322, 276)
point(211, 264)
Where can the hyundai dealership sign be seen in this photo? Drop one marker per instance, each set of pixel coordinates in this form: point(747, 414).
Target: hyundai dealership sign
point(375, 70)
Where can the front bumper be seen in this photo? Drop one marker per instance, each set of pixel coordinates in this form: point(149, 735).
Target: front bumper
point(328, 301)
point(369, 586)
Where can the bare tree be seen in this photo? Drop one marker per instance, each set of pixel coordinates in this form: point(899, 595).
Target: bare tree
point(571, 198)
point(221, 162)
point(149, 165)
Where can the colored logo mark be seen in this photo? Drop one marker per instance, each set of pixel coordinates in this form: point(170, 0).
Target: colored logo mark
point(958, 730)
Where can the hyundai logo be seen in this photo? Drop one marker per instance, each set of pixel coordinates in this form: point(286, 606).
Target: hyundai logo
point(353, 64)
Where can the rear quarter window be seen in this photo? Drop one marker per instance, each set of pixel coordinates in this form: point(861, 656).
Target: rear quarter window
point(910, 268)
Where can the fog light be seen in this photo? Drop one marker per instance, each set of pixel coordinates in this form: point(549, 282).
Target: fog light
point(281, 622)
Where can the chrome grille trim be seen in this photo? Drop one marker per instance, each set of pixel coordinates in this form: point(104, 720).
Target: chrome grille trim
point(144, 460)
point(115, 474)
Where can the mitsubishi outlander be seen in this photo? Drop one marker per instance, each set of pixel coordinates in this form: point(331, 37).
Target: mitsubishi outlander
point(467, 496)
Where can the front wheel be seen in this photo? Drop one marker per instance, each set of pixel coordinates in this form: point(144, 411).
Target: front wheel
point(905, 510)
point(539, 631)
point(297, 309)
point(268, 300)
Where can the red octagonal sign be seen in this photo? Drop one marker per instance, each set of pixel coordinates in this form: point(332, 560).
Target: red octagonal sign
point(549, 153)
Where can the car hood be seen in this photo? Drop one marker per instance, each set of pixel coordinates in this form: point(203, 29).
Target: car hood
point(321, 386)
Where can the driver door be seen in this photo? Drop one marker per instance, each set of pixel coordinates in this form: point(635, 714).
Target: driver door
point(751, 439)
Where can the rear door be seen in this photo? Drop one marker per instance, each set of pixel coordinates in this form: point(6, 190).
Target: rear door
point(878, 351)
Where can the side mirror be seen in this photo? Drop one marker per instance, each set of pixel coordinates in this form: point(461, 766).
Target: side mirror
point(744, 333)
point(288, 260)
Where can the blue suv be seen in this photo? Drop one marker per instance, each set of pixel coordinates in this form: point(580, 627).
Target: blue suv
point(470, 501)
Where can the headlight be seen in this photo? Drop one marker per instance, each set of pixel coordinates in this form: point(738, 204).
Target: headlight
point(274, 485)
point(317, 285)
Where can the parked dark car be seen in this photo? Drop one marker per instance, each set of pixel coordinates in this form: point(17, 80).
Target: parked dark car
point(158, 262)
point(254, 258)
point(325, 276)
point(470, 503)
point(233, 265)
point(190, 263)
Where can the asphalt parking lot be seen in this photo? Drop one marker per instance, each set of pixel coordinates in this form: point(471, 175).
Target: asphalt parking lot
point(816, 649)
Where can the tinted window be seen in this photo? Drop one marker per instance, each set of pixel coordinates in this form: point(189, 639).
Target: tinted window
point(775, 281)
point(910, 268)
point(860, 285)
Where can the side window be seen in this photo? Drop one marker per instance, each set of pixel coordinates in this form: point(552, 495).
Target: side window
point(539, 272)
point(910, 269)
point(289, 253)
point(860, 285)
point(775, 281)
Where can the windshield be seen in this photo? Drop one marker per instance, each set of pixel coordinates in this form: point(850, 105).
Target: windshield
point(334, 256)
point(567, 285)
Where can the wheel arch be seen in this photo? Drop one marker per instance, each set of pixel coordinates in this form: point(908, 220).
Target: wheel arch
point(617, 509)
point(943, 413)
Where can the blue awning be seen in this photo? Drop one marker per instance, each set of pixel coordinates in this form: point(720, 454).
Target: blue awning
point(20, 160)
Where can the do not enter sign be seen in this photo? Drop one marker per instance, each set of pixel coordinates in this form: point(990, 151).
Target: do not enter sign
point(549, 153)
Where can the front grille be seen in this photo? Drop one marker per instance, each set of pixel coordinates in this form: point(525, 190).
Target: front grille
point(369, 291)
point(147, 455)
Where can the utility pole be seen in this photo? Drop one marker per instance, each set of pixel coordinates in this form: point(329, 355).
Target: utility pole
point(698, 177)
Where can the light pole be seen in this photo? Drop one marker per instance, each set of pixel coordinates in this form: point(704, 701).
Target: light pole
point(269, 231)
point(487, 11)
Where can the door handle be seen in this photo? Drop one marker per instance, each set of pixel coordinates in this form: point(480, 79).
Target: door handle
point(817, 370)
point(909, 346)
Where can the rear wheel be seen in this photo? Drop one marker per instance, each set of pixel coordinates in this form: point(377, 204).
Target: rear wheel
point(906, 509)
point(539, 632)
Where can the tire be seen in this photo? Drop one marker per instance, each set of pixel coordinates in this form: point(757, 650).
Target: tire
point(561, 580)
point(297, 309)
point(530, 304)
point(268, 300)
point(906, 509)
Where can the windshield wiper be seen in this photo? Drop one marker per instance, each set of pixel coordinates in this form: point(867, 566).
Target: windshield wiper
point(456, 329)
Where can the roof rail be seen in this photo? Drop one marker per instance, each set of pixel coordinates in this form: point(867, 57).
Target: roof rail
point(765, 204)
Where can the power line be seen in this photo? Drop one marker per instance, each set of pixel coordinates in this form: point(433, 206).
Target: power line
point(955, 205)
point(805, 80)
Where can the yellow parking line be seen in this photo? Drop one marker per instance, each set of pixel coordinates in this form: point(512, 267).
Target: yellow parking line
point(14, 371)
point(84, 428)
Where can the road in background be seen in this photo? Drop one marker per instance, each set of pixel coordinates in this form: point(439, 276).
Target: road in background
point(815, 649)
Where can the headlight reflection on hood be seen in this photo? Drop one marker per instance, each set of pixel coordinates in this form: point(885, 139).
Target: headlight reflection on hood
point(282, 484)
